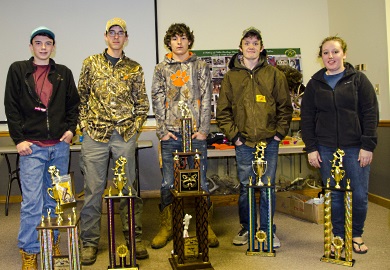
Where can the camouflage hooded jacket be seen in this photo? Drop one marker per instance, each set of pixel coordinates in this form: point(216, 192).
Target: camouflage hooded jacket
point(189, 82)
point(112, 97)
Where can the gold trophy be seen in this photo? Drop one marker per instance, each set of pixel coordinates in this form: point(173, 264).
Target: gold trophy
point(259, 164)
point(53, 191)
point(338, 174)
point(186, 126)
point(120, 180)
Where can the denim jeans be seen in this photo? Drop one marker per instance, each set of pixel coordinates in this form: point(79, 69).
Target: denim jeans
point(245, 156)
point(359, 183)
point(167, 148)
point(35, 180)
point(94, 159)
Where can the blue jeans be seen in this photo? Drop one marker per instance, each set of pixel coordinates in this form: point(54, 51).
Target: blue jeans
point(245, 156)
point(94, 159)
point(359, 183)
point(167, 148)
point(35, 180)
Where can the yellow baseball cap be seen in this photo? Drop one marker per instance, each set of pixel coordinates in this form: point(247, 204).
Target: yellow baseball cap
point(116, 21)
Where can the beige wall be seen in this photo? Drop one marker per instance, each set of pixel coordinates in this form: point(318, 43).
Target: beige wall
point(363, 25)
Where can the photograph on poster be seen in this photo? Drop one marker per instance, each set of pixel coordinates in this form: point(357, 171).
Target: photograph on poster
point(218, 61)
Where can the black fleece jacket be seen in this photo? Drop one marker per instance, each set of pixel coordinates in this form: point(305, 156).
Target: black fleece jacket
point(344, 117)
point(20, 101)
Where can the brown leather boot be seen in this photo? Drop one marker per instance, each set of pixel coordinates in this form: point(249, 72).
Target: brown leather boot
point(165, 232)
point(29, 261)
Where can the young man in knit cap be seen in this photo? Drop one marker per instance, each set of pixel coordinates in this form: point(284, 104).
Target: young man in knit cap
point(113, 108)
point(41, 104)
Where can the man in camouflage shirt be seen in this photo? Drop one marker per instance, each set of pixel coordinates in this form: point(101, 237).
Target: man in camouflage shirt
point(113, 107)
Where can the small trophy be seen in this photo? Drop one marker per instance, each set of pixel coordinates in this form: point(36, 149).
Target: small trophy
point(53, 191)
point(120, 180)
point(338, 174)
point(259, 164)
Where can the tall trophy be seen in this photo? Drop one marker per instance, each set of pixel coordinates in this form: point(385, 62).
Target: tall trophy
point(338, 243)
point(258, 240)
point(121, 256)
point(188, 252)
point(61, 191)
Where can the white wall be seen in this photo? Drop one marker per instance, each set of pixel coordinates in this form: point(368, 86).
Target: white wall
point(363, 26)
point(218, 24)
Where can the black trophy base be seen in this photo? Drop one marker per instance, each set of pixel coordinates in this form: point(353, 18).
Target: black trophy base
point(191, 264)
point(260, 253)
point(340, 261)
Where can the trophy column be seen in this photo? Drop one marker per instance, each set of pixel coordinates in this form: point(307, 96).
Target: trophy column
point(260, 167)
point(338, 174)
point(123, 255)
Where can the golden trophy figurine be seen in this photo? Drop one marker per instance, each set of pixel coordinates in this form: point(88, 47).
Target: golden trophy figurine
point(259, 164)
point(53, 193)
point(337, 172)
point(120, 180)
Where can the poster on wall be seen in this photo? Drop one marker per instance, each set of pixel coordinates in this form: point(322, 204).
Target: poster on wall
point(218, 61)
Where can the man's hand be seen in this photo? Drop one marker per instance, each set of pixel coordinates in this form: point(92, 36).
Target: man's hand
point(24, 148)
point(67, 137)
point(199, 136)
point(169, 135)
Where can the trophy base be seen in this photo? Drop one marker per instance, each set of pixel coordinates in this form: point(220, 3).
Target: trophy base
point(257, 252)
point(125, 268)
point(192, 264)
point(340, 261)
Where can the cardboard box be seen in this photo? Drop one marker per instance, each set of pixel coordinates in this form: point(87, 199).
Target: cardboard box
point(294, 204)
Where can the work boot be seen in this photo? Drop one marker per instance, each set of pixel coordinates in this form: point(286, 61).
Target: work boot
point(56, 247)
point(212, 238)
point(88, 255)
point(140, 251)
point(29, 261)
point(165, 232)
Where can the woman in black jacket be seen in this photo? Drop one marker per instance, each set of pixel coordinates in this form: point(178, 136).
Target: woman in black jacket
point(340, 111)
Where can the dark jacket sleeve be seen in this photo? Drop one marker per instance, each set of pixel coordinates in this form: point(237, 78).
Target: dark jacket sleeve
point(308, 115)
point(368, 113)
point(12, 105)
point(72, 103)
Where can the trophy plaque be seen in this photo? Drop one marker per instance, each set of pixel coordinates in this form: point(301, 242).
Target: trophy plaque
point(121, 256)
point(188, 252)
point(338, 174)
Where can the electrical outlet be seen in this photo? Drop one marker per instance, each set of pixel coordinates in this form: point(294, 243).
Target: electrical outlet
point(376, 88)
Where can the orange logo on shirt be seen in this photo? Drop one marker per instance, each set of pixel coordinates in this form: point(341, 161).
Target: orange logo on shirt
point(180, 78)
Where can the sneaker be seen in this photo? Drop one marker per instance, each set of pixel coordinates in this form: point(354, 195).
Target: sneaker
point(241, 238)
point(141, 252)
point(276, 242)
point(88, 255)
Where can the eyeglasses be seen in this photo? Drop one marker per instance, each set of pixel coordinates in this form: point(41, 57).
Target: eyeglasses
point(112, 33)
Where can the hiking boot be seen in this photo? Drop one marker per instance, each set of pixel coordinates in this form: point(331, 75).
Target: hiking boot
point(241, 238)
point(88, 255)
point(165, 232)
point(29, 261)
point(141, 252)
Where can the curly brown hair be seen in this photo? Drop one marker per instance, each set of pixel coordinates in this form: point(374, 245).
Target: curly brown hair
point(178, 29)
